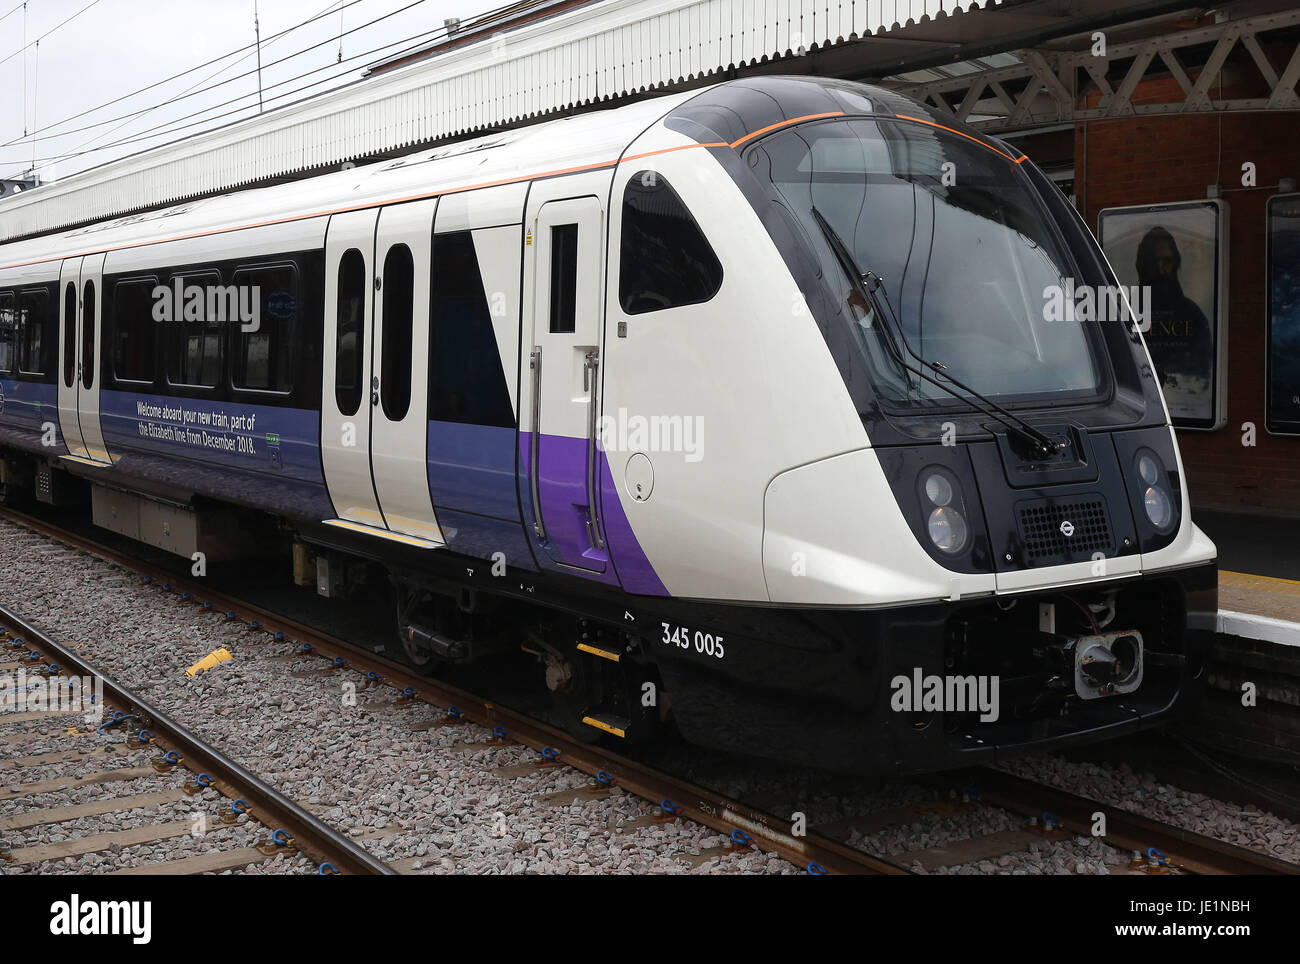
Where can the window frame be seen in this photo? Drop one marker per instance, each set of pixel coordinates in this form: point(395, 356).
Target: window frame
point(499, 417)
point(42, 291)
point(662, 183)
point(68, 338)
point(564, 272)
point(114, 329)
point(90, 332)
point(175, 327)
point(233, 345)
point(394, 359)
point(12, 295)
point(359, 368)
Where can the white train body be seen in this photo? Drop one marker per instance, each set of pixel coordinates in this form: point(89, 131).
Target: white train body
point(728, 449)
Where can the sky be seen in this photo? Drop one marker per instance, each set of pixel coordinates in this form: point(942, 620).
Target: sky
point(116, 47)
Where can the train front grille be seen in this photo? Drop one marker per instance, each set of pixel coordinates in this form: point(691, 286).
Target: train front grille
point(1057, 531)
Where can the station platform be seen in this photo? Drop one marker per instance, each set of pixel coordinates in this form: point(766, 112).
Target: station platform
point(1259, 574)
point(1257, 649)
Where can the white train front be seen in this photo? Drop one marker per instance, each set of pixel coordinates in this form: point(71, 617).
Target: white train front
point(739, 409)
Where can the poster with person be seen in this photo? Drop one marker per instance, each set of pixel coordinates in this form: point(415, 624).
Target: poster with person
point(1284, 314)
point(1176, 255)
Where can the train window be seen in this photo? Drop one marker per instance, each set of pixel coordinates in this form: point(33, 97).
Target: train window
point(265, 352)
point(134, 333)
point(466, 381)
point(88, 336)
point(564, 278)
point(399, 306)
point(666, 261)
point(33, 344)
point(69, 334)
point(196, 347)
point(8, 331)
point(349, 379)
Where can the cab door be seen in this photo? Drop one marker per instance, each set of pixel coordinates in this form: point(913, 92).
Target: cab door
point(80, 308)
point(565, 254)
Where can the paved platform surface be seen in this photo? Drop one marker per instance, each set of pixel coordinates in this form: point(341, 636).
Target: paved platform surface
point(1259, 574)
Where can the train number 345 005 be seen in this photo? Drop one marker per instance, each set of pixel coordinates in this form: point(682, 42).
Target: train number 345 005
point(682, 637)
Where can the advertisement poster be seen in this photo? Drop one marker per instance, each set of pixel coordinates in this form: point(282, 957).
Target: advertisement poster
point(1176, 254)
point(1284, 314)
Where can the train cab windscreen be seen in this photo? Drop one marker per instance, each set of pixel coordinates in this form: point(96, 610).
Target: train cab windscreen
point(965, 251)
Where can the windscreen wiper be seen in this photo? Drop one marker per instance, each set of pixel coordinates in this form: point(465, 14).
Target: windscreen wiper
point(866, 284)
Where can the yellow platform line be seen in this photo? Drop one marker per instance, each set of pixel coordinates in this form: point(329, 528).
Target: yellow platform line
point(1247, 576)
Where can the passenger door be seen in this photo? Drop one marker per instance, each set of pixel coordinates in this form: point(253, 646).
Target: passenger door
point(81, 300)
point(564, 250)
point(374, 379)
point(399, 431)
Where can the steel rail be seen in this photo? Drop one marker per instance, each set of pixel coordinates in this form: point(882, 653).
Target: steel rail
point(811, 851)
point(322, 843)
point(1186, 850)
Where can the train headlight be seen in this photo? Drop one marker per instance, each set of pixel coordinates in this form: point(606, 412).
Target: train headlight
point(1159, 509)
point(946, 525)
point(938, 489)
point(948, 529)
point(1156, 500)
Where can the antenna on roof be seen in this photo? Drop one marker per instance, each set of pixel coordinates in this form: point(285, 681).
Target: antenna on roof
point(257, 33)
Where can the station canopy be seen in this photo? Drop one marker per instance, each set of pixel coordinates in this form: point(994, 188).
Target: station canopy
point(1001, 65)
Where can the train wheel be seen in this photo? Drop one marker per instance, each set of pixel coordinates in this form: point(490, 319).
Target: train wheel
point(416, 608)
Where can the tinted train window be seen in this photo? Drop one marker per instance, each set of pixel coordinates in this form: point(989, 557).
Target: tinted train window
point(69, 334)
point(399, 304)
point(349, 380)
point(88, 336)
point(196, 348)
point(134, 330)
point(33, 322)
point(264, 358)
point(466, 379)
point(8, 331)
point(564, 278)
point(665, 261)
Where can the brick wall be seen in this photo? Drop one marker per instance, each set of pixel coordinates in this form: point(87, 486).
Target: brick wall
point(1151, 160)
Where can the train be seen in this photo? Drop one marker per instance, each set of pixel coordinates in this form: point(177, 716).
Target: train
point(736, 411)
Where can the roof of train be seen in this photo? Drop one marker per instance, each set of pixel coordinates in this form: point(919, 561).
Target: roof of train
point(553, 147)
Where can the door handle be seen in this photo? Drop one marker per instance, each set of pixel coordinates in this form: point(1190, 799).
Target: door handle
point(534, 457)
point(590, 365)
point(374, 398)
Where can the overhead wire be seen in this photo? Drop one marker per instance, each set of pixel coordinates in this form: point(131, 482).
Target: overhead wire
point(179, 74)
point(64, 23)
point(175, 125)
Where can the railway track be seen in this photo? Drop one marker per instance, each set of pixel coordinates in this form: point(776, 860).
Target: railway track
point(746, 828)
point(1049, 814)
point(131, 730)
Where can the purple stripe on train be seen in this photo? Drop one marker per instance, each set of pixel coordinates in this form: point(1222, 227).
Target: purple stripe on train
point(563, 496)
